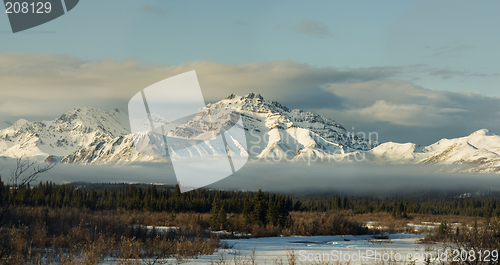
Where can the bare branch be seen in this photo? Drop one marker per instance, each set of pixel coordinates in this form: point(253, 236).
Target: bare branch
point(20, 178)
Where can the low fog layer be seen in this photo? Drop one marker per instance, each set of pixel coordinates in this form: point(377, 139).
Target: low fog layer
point(316, 179)
point(361, 179)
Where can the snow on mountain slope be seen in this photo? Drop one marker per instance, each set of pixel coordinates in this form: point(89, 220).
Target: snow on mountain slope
point(394, 152)
point(478, 152)
point(272, 130)
point(275, 131)
point(118, 150)
point(60, 137)
point(93, 136)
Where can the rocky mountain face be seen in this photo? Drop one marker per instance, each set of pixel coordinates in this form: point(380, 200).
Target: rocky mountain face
point(275, 131)
point(272, 131)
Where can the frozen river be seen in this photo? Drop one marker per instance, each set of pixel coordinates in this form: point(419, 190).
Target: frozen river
point(401, 248)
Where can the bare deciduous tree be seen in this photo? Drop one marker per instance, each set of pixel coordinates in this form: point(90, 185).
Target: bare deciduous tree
point(25, 172)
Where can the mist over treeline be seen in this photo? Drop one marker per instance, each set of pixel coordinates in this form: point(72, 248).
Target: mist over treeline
point(345, 179)
point(361, 179)
point(132, 197)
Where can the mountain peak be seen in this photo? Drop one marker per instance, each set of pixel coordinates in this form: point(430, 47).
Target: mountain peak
point(254, 96)
point(75, 113)
point(20, 122)
point(485, 132)
point(250, 95)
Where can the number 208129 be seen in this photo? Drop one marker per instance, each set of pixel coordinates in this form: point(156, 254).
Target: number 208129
point(24, 7)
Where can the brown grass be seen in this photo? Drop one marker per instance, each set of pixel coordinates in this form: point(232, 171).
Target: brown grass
point(42, 235)
point(74, 236)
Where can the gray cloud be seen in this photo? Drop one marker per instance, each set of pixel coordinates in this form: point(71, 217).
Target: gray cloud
point(447, 73)
point(401, 102)
point(49, 85)
point(157, 11)
point(448, 50)
point(422, 115)
point(312, 28)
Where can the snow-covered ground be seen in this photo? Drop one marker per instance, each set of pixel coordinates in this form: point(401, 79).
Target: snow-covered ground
point(325, 248)
point(359, 249)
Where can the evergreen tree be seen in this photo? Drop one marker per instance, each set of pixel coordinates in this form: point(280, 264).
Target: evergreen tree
point(272, 216)
point(247, 209)
point(402, 210)
point(214, 214)
point(177, 192)
point(222, 218)
point(283, 213)
point(259, 208)
point(2, 193)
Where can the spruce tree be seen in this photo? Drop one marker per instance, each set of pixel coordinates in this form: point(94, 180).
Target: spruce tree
point(1, 192)
point(283, 213)
point(214, 214)
point(272, 214)
point(221, 218)
point(247, 209)
point(259, 208)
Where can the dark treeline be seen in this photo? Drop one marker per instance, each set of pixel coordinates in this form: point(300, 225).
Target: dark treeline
point(131, 197)
point(152, 199)
point(401, 207)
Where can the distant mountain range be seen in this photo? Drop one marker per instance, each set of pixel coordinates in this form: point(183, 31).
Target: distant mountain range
point(478, 152)
point(273, 132)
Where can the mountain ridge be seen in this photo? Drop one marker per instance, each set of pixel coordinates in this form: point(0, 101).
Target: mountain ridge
point(479, 152)
point(273, 131)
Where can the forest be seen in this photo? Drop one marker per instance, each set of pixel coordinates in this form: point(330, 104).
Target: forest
point(132, 197)
point(87, 226)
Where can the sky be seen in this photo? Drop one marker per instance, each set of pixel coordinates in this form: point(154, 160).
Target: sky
point(413, 71)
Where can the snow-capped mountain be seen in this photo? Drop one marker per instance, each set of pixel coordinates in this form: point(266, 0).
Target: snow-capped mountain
point(60, 137)
point(278, 130)
point(272, 131)
point(478, 152)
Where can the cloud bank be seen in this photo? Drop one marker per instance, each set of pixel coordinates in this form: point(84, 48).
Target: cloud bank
point(43, 86)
